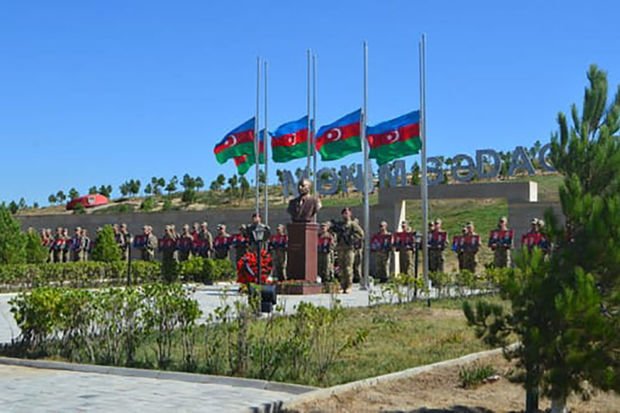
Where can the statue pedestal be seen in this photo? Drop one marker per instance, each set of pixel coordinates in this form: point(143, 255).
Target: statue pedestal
point(302, 266)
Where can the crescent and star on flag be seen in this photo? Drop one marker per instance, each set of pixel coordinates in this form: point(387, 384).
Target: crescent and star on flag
point(334, 134)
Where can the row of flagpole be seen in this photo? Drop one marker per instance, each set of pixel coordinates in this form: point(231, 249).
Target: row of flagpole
point(311, 161)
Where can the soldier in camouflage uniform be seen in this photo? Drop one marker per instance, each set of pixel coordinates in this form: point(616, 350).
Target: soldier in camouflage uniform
point(326, 245)
point(405, 245)
point(436, 245)
point(149, 244)
point(347, 232)
point(278, 246)
point(500, 241)
point(381, 247)
point(185, 243)
point(471, 245)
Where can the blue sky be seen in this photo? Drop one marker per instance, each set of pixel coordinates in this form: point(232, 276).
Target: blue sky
point(96, 93)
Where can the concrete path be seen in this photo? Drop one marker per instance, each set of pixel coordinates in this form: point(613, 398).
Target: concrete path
point(25, 389)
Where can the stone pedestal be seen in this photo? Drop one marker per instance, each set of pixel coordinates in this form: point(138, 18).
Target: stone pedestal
point(302, 265)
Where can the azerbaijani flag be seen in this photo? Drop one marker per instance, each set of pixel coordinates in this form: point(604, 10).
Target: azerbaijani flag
point(340, 138)
point(290, 141)
point(237, 142)
point(243, 164)
point(395, 138)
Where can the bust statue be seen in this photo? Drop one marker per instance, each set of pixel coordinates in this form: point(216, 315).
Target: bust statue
point(304, 207)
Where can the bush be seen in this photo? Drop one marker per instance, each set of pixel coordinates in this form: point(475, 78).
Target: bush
point(36, 253)
point(76, 274)
point(148, 204)
point(79, 209)
point(106, 249)
point(475, 374)
point(206, 270)
point(104, 326)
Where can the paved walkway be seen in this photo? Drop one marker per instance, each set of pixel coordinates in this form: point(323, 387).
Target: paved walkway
point(24, 389)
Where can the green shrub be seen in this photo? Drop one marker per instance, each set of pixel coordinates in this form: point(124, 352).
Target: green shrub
point(148, 204)
point(106, 249)
point(475, 374)
point(76, 274)
point(36, 253)
point(79, 209)
point(207, 270)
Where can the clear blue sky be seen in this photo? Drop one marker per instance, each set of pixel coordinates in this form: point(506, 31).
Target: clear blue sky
point(98, 92)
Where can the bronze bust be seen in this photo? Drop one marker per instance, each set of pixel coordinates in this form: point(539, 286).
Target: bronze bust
point(304, 207)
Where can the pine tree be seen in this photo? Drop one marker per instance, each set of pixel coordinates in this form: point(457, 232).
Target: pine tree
point(36, 253)
point(12, 240)
point(565, 309)
point(106, 249)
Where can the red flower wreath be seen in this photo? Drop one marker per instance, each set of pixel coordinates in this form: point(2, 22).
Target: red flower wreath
point(247, 267)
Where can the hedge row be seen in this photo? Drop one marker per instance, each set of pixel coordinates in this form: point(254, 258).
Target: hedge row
point(99, 274)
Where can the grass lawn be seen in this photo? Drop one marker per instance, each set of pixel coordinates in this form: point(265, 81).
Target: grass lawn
point(399, 337)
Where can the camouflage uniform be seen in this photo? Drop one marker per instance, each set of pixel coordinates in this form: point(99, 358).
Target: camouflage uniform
point(500, 241)
point(471, 244)
point(278, 246)
point(436, 245)
point(347, 233)
point(326, 244)
point(381, 246)
point(358, 261)
point(405, 244)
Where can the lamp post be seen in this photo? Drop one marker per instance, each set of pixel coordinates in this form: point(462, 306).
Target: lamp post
point(267, 293)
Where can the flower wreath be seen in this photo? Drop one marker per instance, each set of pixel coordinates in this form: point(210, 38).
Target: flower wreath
point(247, 267)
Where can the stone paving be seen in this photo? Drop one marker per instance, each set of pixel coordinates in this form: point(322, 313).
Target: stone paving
point(24, 389)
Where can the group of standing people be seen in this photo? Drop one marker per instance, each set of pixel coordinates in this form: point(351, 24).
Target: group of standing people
point(63, 247)
point(466, 246)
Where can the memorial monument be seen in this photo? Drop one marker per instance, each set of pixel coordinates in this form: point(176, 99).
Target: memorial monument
point(302, 241)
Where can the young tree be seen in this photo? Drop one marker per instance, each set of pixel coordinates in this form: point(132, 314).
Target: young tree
point(124, 188)
point(36, 253)
point(92, 190)
point(73, 193)
point(52, 199)
point(12, 240)
point(134, 187)
point(61, 197)
point(106, 249)
point(233, 181)
point(22, 203)
point(566, 308)
point(172, 185)
point(148, 189)
point(245, 187)
point(105, 190)
point(13, 207)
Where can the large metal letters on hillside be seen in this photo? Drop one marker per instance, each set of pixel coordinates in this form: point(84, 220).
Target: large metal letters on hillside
point(487, 164)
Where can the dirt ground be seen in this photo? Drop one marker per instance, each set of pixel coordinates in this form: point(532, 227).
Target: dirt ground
point(440, 392)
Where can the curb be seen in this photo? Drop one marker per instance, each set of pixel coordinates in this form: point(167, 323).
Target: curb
point(293, 389)
point(359, 385)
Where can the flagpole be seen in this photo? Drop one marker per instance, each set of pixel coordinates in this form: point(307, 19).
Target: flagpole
point(424, 186)
point(266, 146)
point(256, 132)
point(366, 278)
point(312, 135)
point(309, 107)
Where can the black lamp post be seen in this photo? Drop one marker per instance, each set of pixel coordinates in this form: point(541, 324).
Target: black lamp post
point(267, 292)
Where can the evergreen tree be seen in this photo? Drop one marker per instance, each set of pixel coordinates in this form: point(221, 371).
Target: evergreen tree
point(61, 197)
point(52, 199)
point(22, 203)
point(244, 186)
point(13, 207)
point(73, 193)
point(566, 309)
point(92, 190)
point(106, 249)
point(12, 240)
point(105, 190)
point(36, 253)
point(172, 185)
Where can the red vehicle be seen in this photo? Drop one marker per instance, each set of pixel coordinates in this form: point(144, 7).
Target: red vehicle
point(88, 201)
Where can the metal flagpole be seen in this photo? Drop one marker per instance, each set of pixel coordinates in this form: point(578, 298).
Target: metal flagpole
point(266, 146)
point(309, 125)
point(256, 132)
point(424, 187)
point(313, 134)
point(366, 278)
